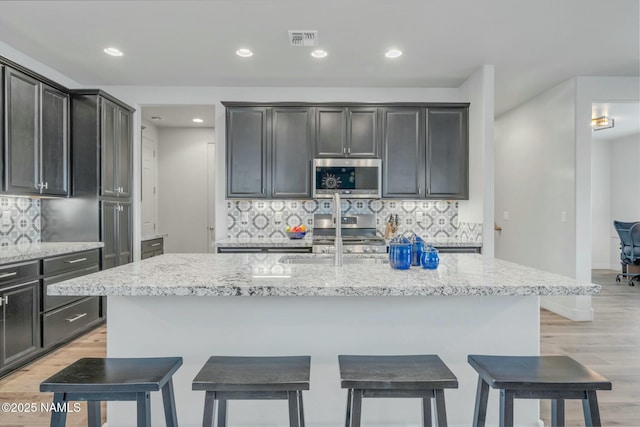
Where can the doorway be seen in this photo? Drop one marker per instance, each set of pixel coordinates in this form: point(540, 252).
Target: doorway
point(177, 170)
point(615, 156)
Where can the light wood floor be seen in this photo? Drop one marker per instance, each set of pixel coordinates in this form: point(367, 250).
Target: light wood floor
point(23, 386)
point(610, 345)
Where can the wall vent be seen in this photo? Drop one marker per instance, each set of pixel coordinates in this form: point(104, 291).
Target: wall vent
point(303, 38)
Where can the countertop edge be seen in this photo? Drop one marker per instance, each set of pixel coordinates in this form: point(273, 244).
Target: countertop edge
point(35, 251)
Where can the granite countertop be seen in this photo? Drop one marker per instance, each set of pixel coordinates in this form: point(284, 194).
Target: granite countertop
point(153, 236)
point(30, 251)
point(266, 242)
point(284, 242)
point(266, 275)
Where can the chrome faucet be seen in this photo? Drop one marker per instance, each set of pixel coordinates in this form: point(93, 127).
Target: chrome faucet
point(337, 222)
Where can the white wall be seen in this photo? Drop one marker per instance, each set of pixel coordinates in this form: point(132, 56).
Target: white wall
point(535, 181)
point(182, 188)
point(601, 191)
point(479, 90)
point(535, 185)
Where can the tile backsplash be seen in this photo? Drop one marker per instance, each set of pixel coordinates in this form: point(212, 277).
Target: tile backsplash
point(19, 220)
point(269, 218)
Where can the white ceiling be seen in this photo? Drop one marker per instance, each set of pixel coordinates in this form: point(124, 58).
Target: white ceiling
point(534, 44)
point(626, 119)
point(179, 115)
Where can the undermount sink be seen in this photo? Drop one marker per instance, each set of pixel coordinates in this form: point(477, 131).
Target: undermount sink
point(329, 260)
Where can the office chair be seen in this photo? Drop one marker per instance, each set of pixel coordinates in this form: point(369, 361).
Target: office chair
point(629, 233)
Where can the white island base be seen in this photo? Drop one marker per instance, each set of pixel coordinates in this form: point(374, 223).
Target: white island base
point(196, 327)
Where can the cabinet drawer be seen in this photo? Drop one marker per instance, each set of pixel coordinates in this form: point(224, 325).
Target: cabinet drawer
point(19, 272)
point(50, 302)
point(152, 245)
point(65, 322)
point(74, 261)
point(146, 255)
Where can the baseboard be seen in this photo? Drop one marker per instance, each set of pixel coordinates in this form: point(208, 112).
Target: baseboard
point(571, 313)
point(603, 266)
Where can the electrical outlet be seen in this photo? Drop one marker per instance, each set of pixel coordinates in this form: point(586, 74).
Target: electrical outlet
point(277, 217)
point(6, 217)
point(245, 217)
point(563, 216)
point(420, 215)
point(505, 215)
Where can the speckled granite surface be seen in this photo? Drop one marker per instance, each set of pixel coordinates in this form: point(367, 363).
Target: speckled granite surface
point(17, 253)
point(246, 242)
point(267, 242)
point(153, 236)
point(266, 275)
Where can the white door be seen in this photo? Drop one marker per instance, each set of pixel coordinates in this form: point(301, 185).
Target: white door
point(211, 200)
point(149, 202)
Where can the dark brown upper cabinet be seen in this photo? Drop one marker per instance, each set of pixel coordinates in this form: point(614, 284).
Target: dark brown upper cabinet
point(347, 132)
point(36, 120)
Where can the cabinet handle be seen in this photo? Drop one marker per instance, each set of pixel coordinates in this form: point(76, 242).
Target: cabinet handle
point(156, 244)
point(344, 151)
point(349, 150)
point(4, 301)
point(73, 261)
point(5, 275)
point(419, 191)
point(46, 185)
point(264, 190)
point(73, 319)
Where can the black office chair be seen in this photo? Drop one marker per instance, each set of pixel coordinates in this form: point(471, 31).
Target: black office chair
point(629, 233)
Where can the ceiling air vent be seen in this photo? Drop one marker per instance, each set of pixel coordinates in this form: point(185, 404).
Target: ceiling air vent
point(303, 38)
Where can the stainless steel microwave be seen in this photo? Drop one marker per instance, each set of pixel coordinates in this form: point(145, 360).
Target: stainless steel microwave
point(352, 178)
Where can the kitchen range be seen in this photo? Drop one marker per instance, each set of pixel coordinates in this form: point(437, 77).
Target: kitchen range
point(358, 234)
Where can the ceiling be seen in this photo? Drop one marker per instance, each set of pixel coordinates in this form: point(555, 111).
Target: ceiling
point(179, 115)
point(533, 44)
point(626, 119)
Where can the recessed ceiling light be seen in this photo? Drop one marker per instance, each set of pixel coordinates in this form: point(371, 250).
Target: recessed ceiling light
point(393, 53)
point(156, 118)
point(319, 53)
point(198, 120)
point(245, 53)
point(113, 51)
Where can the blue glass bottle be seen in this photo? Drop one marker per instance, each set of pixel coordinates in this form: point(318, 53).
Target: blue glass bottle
point(400, 253)
point(430, 258)
point(417, 248)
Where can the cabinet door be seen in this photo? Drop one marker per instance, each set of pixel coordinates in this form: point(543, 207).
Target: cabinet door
point(23, 112)
point(362, 133)
point(20, 327)
point(125, 253)
point(124, 153)
point(447, 153)
point(331, 132)
point(247, 152)
point(108, 142)
point(54, 146)
point(2, 120)
point(403, 152)
point(109, 234)
point(291, 153)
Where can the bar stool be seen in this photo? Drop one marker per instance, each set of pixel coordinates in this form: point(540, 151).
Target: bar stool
point(422, 376)
point(226, 378)
point(536, 377)
point(108, 379)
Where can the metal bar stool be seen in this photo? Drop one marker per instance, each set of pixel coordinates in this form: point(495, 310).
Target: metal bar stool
point(536, 377)
point(226, 378)
point(423, 376)
point(103, 379)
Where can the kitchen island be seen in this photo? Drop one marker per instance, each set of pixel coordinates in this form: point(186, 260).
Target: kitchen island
point(184, 305)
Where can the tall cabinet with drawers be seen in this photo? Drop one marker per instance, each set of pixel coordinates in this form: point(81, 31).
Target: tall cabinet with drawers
point(100, 207)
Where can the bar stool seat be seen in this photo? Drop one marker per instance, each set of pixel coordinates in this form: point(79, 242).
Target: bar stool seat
point(226, 378)
point(419, 376)
point(536, 377)
point(113, 379)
